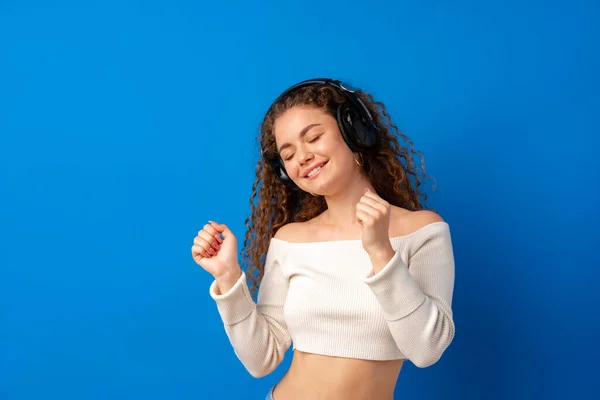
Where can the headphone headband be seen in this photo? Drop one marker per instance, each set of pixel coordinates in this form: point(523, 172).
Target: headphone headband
point(346, 89)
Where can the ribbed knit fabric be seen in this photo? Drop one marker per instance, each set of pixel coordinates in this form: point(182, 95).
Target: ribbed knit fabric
point(324, 298)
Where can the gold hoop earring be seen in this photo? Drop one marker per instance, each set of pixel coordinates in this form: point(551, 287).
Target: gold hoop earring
point(362, 160)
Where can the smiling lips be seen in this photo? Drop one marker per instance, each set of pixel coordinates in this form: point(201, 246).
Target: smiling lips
point(314, 174)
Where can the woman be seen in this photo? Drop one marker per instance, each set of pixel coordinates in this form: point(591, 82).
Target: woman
point(356, 274)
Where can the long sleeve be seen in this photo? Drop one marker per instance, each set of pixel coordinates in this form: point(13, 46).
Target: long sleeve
point(257, 331)
point(416, 299)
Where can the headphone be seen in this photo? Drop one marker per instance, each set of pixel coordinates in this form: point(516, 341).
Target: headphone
point(356, 124)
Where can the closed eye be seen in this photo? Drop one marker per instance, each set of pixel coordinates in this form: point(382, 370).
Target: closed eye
point(310, 141)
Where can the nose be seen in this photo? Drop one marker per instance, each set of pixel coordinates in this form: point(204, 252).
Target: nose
point(304, 156)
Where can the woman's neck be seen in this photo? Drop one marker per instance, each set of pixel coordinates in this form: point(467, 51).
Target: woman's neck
point(341, 207)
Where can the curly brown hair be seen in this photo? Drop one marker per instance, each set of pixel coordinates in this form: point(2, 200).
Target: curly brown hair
point(389, 169)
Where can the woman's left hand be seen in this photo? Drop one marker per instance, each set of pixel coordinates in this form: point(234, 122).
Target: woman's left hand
point(373, 213)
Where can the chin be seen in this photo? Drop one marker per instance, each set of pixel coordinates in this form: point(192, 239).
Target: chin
point(328, 187)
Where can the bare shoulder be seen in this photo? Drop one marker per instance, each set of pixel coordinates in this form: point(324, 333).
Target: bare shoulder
point(422, 218)
point(301, 232)
point(405, 222)
point(291, 232)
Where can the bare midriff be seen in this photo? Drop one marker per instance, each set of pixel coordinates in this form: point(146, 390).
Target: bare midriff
point(314, 376)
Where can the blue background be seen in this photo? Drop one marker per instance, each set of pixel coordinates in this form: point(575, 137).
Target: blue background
point(125, 126)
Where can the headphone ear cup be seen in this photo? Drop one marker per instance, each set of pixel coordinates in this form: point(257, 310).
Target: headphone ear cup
point(345, 119)
point(356, 131)
point(282, 174)
point(278, 169)
point(365, 135)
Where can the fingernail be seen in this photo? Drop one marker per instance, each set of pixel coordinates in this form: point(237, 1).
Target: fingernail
point(215, 245)
point(211, 222)
point(219, 239)
point(213, 252)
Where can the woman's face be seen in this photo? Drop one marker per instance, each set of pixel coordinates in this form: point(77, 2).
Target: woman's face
point(308, 137)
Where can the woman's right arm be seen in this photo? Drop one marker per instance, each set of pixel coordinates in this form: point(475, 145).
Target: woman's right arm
point(257, 331)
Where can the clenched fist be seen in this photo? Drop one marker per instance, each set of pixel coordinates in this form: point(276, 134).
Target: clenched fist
point(218, 256)
point(373, 213)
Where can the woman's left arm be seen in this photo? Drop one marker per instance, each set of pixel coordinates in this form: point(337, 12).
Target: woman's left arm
point(416, 297)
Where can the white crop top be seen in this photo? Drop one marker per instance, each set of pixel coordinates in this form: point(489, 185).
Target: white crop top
point(323, 298)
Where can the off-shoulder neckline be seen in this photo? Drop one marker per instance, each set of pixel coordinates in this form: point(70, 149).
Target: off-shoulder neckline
point(353, 241)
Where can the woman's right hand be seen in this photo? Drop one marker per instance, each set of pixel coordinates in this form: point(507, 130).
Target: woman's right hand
point(218, 256)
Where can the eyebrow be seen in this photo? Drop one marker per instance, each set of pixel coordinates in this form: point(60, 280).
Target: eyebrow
point(302, 134)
